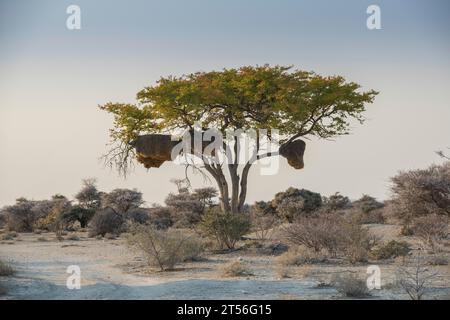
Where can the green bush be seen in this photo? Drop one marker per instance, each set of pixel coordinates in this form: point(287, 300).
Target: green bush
point(392, 249)
point(225, 228)
point(165, 248)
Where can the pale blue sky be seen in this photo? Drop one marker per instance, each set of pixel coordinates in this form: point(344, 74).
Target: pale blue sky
point(51, 79)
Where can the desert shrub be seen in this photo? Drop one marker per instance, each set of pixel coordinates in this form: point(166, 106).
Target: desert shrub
point(225, 228)
point(89, 197)
point(6, 269)
point(122, 200)
point(415, 277)
point(317, 233)
point(105, 221)
point(236, 269)
point(367, 204)
point(431, 229)
point(186, 209)
point(73, 237)
point(8, 236)
point(355, 241)
point(165, 248)
point(421, 193)
point(392, 249)
point(138, 215)
point(78, 214)
point(110, 236)
point(438, 260)
point(351, 286)
point(301, 256)
point(336, 202)
point(262, 216)
point(294, 202)
point(333, 234)
point(160, 217)
point(53, 220)
point(20, 217)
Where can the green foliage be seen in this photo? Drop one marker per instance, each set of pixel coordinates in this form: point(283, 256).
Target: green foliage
point(392, 249)
point(293, 202)
point(165, 248)
point(225, 228)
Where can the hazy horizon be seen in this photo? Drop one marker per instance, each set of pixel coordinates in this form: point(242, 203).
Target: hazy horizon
point(52, 134)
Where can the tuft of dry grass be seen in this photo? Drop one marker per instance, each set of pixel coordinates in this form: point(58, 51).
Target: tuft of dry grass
point(73, 237)
point(300, 256)
point(236, 269)
point(351, 286)
point(6, 270)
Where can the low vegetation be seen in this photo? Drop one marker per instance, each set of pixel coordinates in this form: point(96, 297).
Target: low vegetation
point(236, 269)
point(392, 249)
point(165, 248)
point(226, 228)
point(351, 286)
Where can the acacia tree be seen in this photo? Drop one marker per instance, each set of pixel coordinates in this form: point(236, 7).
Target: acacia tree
point(297, 103)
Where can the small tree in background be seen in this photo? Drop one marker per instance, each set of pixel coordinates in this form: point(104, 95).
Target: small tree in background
point(20, 217)
point(421, 192)
point(415, 277)
point(294, 202)
point(336, 202)
point(89, 196)
point(122, 200)
point(263, 218)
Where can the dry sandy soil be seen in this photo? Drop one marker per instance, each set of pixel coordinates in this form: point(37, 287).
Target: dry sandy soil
point(110, 270)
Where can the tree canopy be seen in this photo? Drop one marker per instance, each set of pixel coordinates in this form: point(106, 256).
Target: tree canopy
point(296, 103)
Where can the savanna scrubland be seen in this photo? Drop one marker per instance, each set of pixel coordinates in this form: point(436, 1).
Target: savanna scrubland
point(298, 245)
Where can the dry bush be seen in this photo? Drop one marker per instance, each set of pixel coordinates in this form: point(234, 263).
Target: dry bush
point(355, 241)
point(294, 203)
point(122, 200)
point(351, 286)
point(236, 269)
point(105, 221)
point(263, 219)
point(392, 249)
point(6, 270)
point(421, 193)
point(9, 236)
point(160, 217)
point(438, 260)
point(317, 233)
point(225, 228)
point(431, 230)
point(73, 237)
point(332, 233)
point(165, 248)
point(415, 277)
point(20, 217)
point(301, 256)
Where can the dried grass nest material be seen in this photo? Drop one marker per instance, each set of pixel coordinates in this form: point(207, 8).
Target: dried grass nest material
point(152, 150)
point(293, 152)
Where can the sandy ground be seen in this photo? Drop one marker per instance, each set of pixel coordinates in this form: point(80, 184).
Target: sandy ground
point(110, 270)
